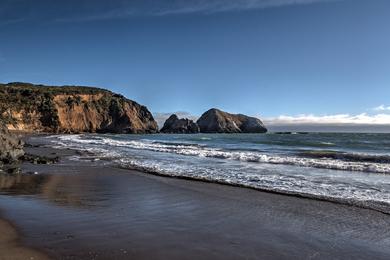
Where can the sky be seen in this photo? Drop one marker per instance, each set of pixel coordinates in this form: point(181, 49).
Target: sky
point(288, 62)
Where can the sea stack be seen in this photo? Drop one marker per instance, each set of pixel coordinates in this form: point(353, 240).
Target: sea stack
point(217, 121)
point(174, 125)
point(71, 109)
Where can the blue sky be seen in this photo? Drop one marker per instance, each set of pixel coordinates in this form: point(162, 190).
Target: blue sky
point(277, 59)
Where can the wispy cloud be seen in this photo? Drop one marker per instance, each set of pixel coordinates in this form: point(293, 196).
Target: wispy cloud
point(111, 14)
point(382, 108)
point(92, 10)
point(216, 6)
point(176, 7)
point(339, 119)
point(12, 21)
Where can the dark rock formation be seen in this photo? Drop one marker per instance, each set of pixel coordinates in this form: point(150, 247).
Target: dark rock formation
point(217, 121)
point(174, 125)
point(71, 109)
point(11, 148)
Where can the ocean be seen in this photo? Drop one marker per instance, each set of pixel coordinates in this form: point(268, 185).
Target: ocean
point(349, 168)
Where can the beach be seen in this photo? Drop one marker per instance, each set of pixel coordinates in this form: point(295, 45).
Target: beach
point(10, 247)
point(194, 129)
point(88, 209)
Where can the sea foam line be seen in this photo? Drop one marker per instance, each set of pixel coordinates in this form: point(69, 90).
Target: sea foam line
point(252, 157)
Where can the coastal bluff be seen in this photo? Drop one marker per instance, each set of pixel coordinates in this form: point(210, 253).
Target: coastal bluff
point(71, 109)
point(218, 121)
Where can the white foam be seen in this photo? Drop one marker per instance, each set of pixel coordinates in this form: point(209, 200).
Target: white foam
point(245, 156)
point(248, 168)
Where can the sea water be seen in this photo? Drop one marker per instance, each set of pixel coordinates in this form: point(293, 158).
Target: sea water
point(349, 168)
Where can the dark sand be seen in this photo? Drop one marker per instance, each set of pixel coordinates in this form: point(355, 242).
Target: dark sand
point(89, 210)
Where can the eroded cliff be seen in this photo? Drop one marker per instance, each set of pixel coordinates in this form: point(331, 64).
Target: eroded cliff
point(71, 109)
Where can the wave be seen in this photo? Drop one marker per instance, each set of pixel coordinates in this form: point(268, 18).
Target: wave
point(268, 185)
point(354, 157)
point(315, 159)
point(296, 143)
point(359, 189)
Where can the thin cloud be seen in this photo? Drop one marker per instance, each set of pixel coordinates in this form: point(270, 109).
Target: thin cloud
point(217, 6)
point(12, 21)
point(382, 108)
point(113, 14)
point(176, 7)
point(339, 119)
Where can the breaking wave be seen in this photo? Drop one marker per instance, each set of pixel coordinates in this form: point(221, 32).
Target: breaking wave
point(315, 159)
point(353, 178)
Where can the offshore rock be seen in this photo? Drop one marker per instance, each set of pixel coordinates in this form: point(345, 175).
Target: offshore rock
point(174, 125)
point(217, 121)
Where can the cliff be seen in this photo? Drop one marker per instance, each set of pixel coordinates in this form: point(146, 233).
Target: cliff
point(71, 109)
point(174, 125)
point(217, 121)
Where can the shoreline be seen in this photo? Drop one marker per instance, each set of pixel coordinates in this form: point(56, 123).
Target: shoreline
point(381, 207)
point(178, 218)
point(346, 202)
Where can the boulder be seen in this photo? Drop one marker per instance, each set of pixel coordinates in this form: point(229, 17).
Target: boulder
point(11, 148)
point(217, 121)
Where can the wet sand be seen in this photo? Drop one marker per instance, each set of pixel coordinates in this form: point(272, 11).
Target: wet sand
point(90, 210)
point(10, 246)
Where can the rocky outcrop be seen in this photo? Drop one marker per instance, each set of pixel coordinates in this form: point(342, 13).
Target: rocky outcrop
point(217, 121)
point(71, 109)
point(174, 125)
point(11, 148)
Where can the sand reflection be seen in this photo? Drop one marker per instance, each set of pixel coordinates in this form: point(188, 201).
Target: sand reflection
point(73, 190)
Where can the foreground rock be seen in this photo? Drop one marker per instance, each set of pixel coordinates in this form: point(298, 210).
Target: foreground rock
point(11, 148)
point(71, 109)
point(174, 125)
point(217, 121)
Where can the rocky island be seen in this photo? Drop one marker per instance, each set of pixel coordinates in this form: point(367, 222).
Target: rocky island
point(179, 126)
point(214, 121)
point(217, 121)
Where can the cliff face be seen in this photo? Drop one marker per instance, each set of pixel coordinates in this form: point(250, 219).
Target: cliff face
point(217, 121)
point(70, 109)
point(174, 125)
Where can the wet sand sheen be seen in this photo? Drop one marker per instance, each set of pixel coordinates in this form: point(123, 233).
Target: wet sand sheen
point(88, 210)
point(10, 247)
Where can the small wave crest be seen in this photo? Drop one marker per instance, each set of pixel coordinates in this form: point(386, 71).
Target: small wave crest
point(338, 193)
point(353, 157)
point(358, 189)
